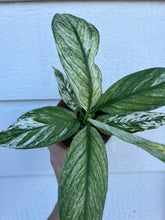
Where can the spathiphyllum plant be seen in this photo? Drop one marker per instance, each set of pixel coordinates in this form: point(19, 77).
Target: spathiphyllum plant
point(86, 115)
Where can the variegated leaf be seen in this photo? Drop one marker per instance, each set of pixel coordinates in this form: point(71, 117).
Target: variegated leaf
point(156, 149)
point(84, 178)
point(40, 128)
point(134, 122)
point(140, 91)
point(77, 43)
point(66, 91)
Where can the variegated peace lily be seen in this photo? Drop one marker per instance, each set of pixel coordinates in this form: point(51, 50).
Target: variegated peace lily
point(124, 107)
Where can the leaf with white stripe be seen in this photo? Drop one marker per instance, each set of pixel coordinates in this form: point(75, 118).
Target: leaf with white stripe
point(134, 122)
point(41, 127)
point(156, 149)
point(77, 43)
point(84, 178)
point(66, 91)
point(140, 91)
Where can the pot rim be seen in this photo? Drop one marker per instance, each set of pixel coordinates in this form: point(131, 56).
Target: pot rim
point(65, 146)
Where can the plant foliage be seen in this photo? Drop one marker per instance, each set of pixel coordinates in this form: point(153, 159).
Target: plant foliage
point(126, 106)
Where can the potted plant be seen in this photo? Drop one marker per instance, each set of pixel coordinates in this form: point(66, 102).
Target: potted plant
point(125, 108)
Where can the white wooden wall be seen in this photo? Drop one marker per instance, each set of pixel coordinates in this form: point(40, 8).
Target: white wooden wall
point(132, 38)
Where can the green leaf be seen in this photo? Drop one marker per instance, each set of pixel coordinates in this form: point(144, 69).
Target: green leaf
point(140, 91)
point(77, 43)
point(134, 122)
point(40, 128)
point(156, 149)
point(66, 91)
point(84, 178)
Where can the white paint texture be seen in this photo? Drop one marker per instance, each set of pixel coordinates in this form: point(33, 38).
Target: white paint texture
point(131, 39)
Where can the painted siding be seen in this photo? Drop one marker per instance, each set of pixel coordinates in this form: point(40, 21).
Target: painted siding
point(131, 39)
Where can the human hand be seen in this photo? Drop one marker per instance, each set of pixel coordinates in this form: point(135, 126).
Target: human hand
point(57, 157)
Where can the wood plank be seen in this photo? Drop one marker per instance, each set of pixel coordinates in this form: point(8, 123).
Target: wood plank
point(6, 1)
point(130, 196)
point(18, 162)
point(122, 157)
point(29, 198)
point(10, 111)
point(135, 196)
point(131, 36)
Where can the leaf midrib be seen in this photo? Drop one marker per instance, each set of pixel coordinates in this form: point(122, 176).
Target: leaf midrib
point(86, 65)
point(114, 101)
point(87, 169)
